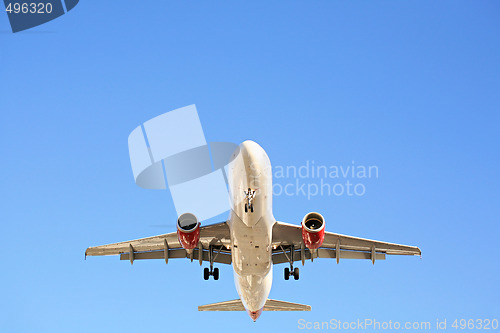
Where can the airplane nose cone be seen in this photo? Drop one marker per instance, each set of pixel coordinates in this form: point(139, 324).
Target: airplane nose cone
point(255, 314)
point(250, 145)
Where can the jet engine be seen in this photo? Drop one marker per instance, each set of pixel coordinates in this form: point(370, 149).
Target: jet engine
point(188, 231)
point(313, 230)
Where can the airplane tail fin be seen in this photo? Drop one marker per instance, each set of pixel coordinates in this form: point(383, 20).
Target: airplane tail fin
point(271, 305)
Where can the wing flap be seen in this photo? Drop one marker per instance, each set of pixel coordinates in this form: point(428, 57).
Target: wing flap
point(220, 256)
point(279, 257)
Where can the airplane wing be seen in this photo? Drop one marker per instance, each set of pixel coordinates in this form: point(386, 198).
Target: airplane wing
point(214, 240)
point(288, 245)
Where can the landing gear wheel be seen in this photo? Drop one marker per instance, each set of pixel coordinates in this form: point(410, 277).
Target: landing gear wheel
point(287, 273)
point(216, 273)
point(296, 273)
point(206, 273)
point(248, 207)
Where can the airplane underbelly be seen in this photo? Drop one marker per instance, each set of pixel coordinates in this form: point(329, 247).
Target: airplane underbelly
point(250, 222)
point(254, 289)
point(252, 261)
point(251, 246)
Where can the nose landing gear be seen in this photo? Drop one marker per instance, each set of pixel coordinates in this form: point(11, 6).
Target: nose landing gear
point(250, 195)
point(248, 208)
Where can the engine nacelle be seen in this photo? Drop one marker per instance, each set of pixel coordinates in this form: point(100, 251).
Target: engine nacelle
point(188, 231)
point(313, 230)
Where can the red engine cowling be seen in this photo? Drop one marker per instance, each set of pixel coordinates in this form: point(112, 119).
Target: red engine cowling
point(313, 230)
point(188, 231)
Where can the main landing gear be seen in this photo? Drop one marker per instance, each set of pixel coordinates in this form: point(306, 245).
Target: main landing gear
point(211, 258)
point(211, 272)
point(290, 271)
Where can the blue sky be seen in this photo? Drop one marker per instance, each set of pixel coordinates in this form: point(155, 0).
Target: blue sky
point(411, 87)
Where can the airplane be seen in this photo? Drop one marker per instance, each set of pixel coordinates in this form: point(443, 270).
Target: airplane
point(252, 240)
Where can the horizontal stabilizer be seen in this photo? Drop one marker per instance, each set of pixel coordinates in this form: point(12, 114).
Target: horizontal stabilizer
point(274, 305)
point(271, 305)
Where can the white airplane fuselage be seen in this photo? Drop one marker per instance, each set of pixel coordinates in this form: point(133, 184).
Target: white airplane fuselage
point(248, 233)
point(250, 222)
